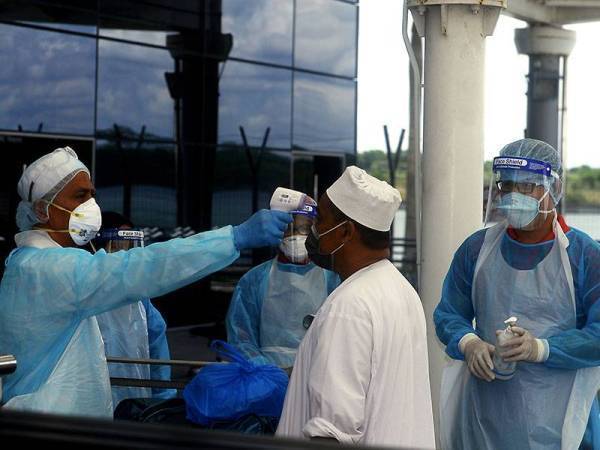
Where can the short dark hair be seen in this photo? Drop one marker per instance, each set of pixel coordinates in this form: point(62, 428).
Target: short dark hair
point(373, 239)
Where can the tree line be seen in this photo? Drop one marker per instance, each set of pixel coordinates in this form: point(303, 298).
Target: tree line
point(582, 184)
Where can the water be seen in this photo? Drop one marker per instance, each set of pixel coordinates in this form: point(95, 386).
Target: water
point(400, 224)
point(588, 222)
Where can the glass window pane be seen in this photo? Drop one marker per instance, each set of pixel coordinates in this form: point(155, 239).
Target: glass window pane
point(153, 192)
point(132, 91)
point(79, 17)
point(256, 98)
point(232, 195)
point(324, 113)
point(38, 89)
point(146, 37)
point(144, 17)
point(137, 180)
point(262, 29)
point(326, 36)
point(109, 176)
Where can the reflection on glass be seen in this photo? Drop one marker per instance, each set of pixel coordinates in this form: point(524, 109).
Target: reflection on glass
point(324, 113)
point(146, 20)
point(262, 29)
point(86, 29)
point(146, 37)
point(109, 176)
point(256, 98)
point(326, 36)
point(132, 91)
point(38, 90)
point(304, 174)
point(137, 180)
point(154, 195)
point(232, 196)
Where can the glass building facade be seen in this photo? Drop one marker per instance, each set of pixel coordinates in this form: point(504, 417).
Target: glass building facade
point(190, 112)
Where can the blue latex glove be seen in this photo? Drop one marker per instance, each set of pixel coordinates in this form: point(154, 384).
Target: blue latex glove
point(263, 229)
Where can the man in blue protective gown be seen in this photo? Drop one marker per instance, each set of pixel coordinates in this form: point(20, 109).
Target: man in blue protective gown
point(52, 289)
point(533, 266)
point(273, 304)
point(136, 330)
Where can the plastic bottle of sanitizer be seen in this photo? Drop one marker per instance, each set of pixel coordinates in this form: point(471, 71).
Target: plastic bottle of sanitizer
point(502, 369)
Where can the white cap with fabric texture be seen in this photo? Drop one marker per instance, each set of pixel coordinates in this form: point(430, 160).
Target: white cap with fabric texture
point(365, 199)
point(44, 179)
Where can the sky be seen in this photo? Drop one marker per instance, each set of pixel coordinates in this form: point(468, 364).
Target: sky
point(383, 85)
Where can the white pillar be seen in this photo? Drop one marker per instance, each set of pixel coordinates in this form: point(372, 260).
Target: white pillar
point(452, 144)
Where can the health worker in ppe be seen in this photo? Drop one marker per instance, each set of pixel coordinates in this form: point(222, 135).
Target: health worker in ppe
point(136, 330)
point(52, 288)
point(361, 373)
point(533, 266)
point(273, 303)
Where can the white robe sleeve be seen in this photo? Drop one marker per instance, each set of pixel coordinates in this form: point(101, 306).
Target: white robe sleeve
point(340, 375)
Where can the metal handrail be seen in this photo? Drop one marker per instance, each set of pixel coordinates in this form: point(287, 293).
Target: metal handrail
point(8, 364)
point(149, 383)
point(161, 362)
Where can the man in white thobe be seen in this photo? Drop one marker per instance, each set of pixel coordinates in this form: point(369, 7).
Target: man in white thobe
point(361, 373)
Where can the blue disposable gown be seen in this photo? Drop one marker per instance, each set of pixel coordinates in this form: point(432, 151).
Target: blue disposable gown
point(572, 349)
point(159, 349)
point(49, 297)
point(245, 329)
point(137, 330)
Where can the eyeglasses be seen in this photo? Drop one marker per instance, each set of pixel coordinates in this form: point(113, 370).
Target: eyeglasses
point(511, 186)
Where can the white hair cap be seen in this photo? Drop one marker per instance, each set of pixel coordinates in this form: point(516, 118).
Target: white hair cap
point(365, 199)
point(44, 179)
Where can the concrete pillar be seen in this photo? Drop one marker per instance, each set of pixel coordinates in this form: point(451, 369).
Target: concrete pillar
point(547, 48)
point(453, 126)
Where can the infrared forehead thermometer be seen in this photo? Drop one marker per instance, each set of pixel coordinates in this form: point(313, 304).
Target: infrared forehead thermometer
point(285, 199)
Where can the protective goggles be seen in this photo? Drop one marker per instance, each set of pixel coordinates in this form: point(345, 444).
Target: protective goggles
point(115, 239)
point(300, 225)
point(508, 186)
point(303, 217)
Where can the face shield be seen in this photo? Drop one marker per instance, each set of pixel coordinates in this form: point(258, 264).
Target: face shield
point(520, 190)
point(116, 239)
point(294, 238)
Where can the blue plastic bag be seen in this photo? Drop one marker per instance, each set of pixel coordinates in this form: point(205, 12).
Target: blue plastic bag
point(222, 392)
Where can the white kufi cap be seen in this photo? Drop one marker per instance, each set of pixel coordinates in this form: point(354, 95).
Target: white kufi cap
point(365, 199)
point(44, 179)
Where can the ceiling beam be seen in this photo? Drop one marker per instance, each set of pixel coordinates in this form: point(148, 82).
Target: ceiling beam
point(530, 11)
point(577, 15)
point(574, 3)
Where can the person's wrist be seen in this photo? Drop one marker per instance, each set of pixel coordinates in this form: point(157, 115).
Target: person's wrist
point(462, 344)
point(542, 350)
point(238, 239)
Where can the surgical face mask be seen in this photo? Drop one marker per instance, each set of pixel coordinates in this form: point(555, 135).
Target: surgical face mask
point(294, 249)
point(326, 261)
point(84, 222)
point(521, 210)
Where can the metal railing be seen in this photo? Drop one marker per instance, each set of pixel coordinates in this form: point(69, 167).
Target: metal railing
point(149, 383)
point(8, 364)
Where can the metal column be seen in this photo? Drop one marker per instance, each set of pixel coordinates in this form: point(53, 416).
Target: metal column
point(547, 48)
